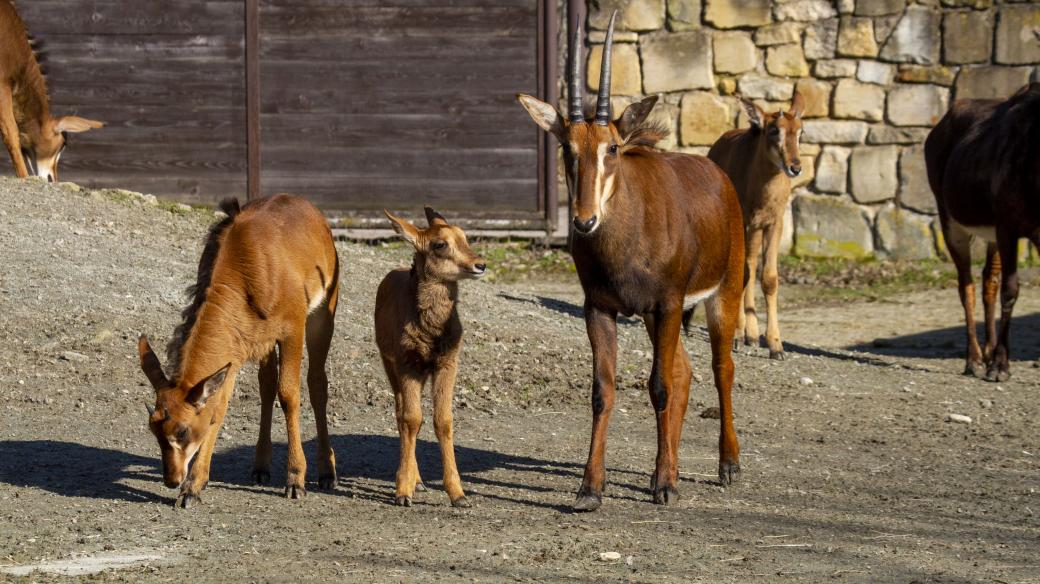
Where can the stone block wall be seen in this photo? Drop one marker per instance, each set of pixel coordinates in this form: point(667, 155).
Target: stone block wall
point(877, 75)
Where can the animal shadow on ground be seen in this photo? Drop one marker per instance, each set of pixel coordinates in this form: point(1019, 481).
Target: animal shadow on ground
point(77, 470)
point(950, 342)
point(564, 307)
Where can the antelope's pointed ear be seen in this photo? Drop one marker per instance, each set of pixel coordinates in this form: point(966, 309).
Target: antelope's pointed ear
point(634, 115)
point(546, 116)
point(798, 105)
point(434, 218)
point(150, 364)
point(207, 387)
point(76, 124)
point(755, 113)
point(403, 228)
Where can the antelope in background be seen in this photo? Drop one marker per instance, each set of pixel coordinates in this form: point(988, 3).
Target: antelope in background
point(761, 161)
point(419, 335)
point(29, 130)
point(268, 284)
point(983, 160)
point(655, 233)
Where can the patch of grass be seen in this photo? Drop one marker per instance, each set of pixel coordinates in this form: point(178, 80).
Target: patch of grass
point(514, 261)
point(835, 279)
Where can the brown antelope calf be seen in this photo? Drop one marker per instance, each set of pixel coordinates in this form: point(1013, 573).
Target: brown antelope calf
point(268, 284)
point(28, 129)
point(761, 161)
point(983, 160)
point(655, 233)
point(419, 336)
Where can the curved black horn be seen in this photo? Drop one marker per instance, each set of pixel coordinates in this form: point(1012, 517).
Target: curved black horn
point(574, 67)
point(603, 103)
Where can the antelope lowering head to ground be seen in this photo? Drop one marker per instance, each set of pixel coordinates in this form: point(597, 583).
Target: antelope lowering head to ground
point(761, 161)
point(656, 233)
point(29, 131)
point(268, 284)
point(983, 160)
point(419, 336)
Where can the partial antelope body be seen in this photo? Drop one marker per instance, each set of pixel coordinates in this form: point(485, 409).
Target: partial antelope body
point(28, 129)
point(655, 232)
point(983, 160)
point(761, 160)
point(419, 336)
point(268, 285)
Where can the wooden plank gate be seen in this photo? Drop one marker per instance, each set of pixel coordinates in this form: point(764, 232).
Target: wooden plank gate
point(356, 104)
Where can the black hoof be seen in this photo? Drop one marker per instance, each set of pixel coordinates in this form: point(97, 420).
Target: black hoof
point(666, 495)
point(403, 501)
point(327, 482)
point(187, 501)
point(461, 503)
point(420, 488)
point(295, 492)
point(997, 374)
point(587, 502)
point(777, 355)
point(729, 473)
point(261, 477)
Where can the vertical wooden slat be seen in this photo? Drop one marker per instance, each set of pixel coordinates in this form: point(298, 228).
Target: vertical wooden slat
point(253, 98)
point(552, 96)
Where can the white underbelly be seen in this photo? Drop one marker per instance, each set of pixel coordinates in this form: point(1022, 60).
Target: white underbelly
point(692, 300)
point(984, 232)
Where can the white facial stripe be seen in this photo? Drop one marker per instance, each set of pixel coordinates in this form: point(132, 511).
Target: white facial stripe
point(45, 168)
point(601, 154)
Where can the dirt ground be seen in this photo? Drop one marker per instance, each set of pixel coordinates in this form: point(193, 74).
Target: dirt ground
point(851, 471)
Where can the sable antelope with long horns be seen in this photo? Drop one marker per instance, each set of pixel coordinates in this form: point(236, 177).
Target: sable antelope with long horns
point(983, 160)
point(268, 286)
point(655, 233)
point(29, 131)
point(761, 161)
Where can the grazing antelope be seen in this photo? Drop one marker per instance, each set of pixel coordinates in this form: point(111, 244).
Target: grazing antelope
point(655, 233)
point(28, 129)
point(983, 160)
point(761, 161)
point(268, 284)
point(419, 336)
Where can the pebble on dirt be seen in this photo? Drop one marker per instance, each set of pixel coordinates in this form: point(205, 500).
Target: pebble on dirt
point(609, 556)
point(805, 381)
point(958, 418)
point(74, 356)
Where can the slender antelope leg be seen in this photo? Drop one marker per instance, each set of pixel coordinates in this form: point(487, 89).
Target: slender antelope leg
point(958, 243)
point(268, 377)
point(320, 326)
point(198, 476)
point(1007, 244)
point(9, 129)
point(753, 250)
point(680, 399)
point(291, 352)
point(602, 330)
point(990, 289)
point(408, 398)
point(391, 375)
point(721, 316)
point(771, 287)
point(665, 327)
point(443, 426)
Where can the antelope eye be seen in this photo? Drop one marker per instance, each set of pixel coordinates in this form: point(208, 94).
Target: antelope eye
point(612, 149)
point(182, 434)
point(774, 131)
point(438, 245)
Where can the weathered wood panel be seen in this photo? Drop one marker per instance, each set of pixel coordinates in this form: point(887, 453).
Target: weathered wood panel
point(399, 103)
point(168, 80)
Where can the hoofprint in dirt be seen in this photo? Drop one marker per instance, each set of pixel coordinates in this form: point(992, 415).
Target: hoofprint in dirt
point(851, 471)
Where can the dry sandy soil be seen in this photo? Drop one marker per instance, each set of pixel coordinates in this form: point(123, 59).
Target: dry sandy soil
point(851, 472)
